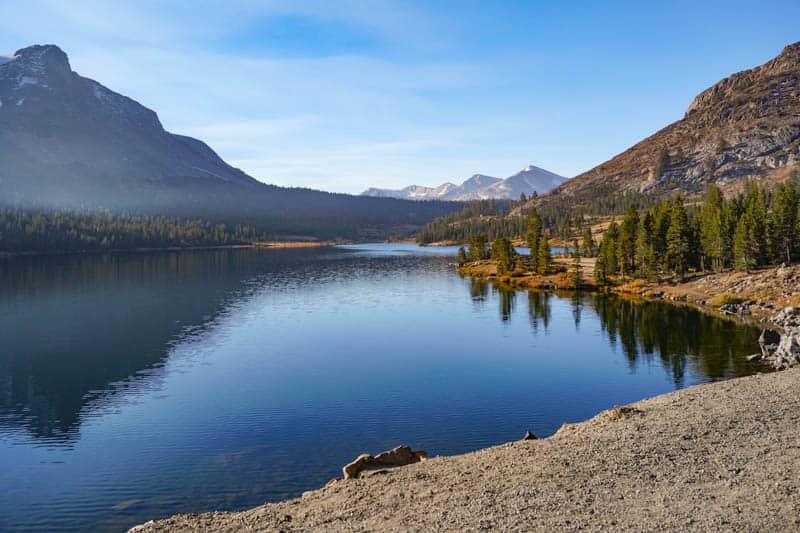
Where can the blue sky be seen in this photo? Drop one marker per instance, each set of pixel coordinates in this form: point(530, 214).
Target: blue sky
point(343, 95)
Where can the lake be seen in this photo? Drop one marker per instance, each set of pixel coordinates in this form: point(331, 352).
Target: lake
point(135, 386)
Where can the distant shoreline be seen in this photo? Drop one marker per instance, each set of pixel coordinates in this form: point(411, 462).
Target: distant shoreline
point(265, 244)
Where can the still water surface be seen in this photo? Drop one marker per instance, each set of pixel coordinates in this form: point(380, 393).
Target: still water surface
point(135, 386)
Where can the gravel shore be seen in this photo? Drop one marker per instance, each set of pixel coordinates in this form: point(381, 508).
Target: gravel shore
point(716, 457)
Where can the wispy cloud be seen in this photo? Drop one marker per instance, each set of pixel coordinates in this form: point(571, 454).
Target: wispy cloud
point(349, 94)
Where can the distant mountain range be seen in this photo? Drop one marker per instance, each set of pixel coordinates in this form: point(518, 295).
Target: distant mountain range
point(68, 142)
point(527, 181)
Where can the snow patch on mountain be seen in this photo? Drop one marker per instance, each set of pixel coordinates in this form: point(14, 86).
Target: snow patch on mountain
point(528, 181)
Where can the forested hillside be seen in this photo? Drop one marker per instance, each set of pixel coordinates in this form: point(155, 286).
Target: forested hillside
point(70, 144)
point(46, 232)
point(756, 228)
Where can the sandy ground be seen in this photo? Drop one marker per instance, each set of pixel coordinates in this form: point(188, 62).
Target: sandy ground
point(718, 457)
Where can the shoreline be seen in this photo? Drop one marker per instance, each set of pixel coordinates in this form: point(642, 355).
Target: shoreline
point(265, 244)
point(754, 297)
point(708, 457)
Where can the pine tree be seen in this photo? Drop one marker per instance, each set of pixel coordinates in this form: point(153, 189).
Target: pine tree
point(544, 258)
point(533, 236)
point(784, 222)
point(503, 252)
point(577, 269)
point(711, 239)
point(661, 215)
point(744, 250)
point(626, 244)
point(588, 243)
point(477, 248)
point(728, 220)
point(755, 209)
point(645, 252)
point(678, 245)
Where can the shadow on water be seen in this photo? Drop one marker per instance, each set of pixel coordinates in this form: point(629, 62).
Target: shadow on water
point(76, 328)
point(106, 364)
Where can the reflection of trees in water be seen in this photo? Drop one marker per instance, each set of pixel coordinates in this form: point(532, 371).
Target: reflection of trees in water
point(478, 290)
point(678, 337)
point(506, 298)
point(74, 325)
point(539, 309)
point(577, 308)
point(77, 329)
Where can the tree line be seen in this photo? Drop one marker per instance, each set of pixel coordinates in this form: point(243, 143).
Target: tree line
point(561, 215)
point(754, 229)
point(485, 217)
point(24, 231)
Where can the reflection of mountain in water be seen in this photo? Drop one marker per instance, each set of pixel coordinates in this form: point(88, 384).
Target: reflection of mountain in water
point(76, 330)
point(72, 325)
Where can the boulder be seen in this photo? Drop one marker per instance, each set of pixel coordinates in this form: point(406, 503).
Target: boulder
point(529, 436)
point(352, 470)
point(400, 456)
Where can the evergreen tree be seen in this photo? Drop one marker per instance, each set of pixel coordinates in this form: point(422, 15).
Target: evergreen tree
point(744, 249)
point(544, 259)
point(645, 251)
point(533, 236)
point(755, 210)
point(661, 215)
point(626, 244)
point(477, 248)
point(678, 239)
point(711, 230)
point(785, 220)
point(503, 252)
point(577, 269)
point(588, 243)
point(728, 220)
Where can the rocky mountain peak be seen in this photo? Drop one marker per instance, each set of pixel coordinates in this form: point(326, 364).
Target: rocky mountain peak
point(773, 78)
point(40, 61)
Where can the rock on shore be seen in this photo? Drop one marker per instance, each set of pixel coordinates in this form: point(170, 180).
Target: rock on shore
point(782, 350)
point(717, 457)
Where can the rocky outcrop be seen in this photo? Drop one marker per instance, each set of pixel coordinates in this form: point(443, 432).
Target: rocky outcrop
point(782, 350)
point(400, 456)
point(745, 126)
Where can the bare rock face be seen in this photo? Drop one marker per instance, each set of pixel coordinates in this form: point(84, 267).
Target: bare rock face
point(745, 126)
point(400, 456)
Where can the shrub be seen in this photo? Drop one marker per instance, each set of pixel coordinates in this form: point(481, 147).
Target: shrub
point(724, 299)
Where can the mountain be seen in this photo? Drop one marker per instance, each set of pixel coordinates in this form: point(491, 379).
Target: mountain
point(747, 126)
point(527, 181)
point(69, 142)
point(479, 187)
